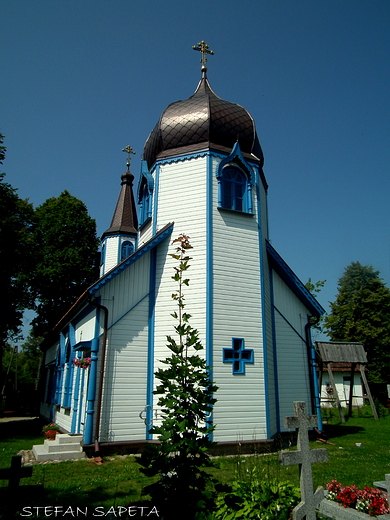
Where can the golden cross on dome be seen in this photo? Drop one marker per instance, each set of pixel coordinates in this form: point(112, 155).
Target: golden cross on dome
point(129, 151)
point(204, 49)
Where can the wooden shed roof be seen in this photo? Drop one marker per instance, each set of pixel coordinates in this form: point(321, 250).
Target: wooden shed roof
point(340, 352)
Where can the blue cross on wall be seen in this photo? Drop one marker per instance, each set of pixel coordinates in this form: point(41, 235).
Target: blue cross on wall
point(238, 355)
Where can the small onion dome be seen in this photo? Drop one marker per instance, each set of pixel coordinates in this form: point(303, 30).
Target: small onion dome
point(204, 120)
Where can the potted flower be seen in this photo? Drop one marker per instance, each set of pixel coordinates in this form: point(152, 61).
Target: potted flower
point(82, 363)
point(50, 430)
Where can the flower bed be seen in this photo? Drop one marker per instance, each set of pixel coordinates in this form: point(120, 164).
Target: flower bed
point(350, 502)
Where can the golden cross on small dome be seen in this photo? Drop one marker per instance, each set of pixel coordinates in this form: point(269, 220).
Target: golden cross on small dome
point(129, 151)
point(204, 49)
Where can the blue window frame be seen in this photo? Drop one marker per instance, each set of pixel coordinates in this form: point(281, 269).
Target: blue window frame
point(103, 254)
point(234, 187)
point(238, 356)
point(146, 204)
point(127, 249)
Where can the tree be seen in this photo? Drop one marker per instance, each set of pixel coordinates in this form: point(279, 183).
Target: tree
point(315, 288)
point(21, 376)
point(186, 399)
point(66, 257)
point(361, 313)
point(16, 259)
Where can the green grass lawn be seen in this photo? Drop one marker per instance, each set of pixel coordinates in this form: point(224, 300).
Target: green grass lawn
point(118, 481)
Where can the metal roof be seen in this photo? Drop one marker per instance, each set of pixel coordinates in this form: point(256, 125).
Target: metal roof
point(204, 119)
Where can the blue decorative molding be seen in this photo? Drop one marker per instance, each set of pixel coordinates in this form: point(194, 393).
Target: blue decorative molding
point(145, 178)
point(236, 157)
point(238, 355)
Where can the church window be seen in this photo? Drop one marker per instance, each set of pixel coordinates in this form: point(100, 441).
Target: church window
point(127, 249)
point(146, 204)
point(103, 255)
point(238, 356)
point(234, 189)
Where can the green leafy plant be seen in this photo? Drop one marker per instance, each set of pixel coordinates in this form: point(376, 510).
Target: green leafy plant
point(186, 398)
point(254, 497)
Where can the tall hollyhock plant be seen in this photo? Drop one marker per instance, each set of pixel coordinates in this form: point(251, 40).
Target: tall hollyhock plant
point(184, 489)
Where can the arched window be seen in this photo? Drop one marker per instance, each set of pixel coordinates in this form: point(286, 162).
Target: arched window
point(127, 249)
point(233, 188)
point(145, 194)
point(236, 179)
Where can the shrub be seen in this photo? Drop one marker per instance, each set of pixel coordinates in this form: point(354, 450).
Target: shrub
point(185, 393)
point(254, 498)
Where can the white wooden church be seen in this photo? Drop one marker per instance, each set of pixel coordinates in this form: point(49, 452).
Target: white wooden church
point(202, 175)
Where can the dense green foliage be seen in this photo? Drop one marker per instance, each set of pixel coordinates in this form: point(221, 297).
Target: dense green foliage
point(185, 393)
point(361, 312)
point(47, 257)
point(66, 257)
point(22, 367)
point(258, 497)
point(16, 253)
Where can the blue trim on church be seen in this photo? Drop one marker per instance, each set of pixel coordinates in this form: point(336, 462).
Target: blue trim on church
point(155, 200)
point(91, 389)
point(276, 377)
point(209, 272)
point(153, 242)
point(151, 328)
point(263, 313)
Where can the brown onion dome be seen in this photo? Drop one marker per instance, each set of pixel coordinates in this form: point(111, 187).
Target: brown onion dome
point(204, 120)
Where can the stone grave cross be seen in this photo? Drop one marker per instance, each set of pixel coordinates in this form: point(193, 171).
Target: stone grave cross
point(305, 457)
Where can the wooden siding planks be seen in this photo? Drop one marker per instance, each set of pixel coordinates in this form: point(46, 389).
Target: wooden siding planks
point(124, 394)
point(237, 312)
point(292, 356)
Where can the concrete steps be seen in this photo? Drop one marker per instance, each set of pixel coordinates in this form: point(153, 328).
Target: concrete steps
point(64, 447)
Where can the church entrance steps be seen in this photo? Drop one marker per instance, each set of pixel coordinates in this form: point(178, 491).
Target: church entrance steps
point(64, 447)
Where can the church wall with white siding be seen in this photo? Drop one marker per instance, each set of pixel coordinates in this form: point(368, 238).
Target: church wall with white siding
point(291, 317)
point(236, 298)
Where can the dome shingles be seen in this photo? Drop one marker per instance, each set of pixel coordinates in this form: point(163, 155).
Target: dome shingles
point(203, 118)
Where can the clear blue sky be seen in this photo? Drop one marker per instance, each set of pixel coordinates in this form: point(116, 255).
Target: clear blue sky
point(81, 79)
